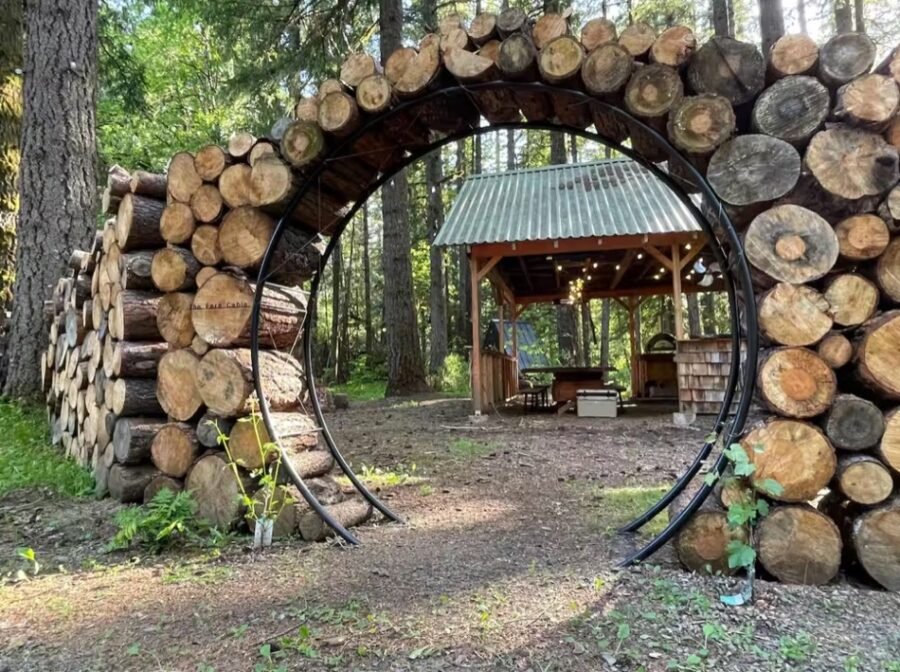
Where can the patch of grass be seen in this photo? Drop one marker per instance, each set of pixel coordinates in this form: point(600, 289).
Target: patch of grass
point(379, 477)
point(362, 390)
point(467, 448)
point(610, 508)
point(28, 460)
point(796, 648)
point(191, 573)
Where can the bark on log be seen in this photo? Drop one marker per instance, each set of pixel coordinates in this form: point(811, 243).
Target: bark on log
point(851, 163)
point(887, 271)
point(183, 179)
point(796, 455)
point(888, 449)
point(836, 350)
point(177, 223)
point(791, 244)
point(862, 237)
point(215, 489)
point(853, 299)
point(349, 513)
point(137, 223)
point(729, 68)
point(135, 316)
point(796, 54)
point(134, 269)
point(160, 483)
point(798, 544)
point(222, 308)
point(876, 539)
point(205, 245)
point(225, 381)
point(796, 382)
point(869, 102)
point(878, 355)
point(174, 449)
point(127, 483)
point(135, 360)
point(133, 437)
point(863, 479)
point(174, 319)
point(753, 169)
point(845, 57)
point(794, 315)
point(792, 109)
point(296, 433)
point(134, 396)
point(674, 47)
point(177, 384)
point(637, 39)
point(210, 161)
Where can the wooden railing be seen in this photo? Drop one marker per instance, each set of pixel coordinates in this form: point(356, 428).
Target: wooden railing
point(499, 378)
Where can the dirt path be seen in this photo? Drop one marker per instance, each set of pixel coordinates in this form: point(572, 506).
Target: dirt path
point(505, 563)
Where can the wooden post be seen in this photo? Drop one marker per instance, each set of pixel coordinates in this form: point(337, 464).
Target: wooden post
point(676, 293)
point(476, 337)
point(631, 306)
point(501, 332)
point(515, 333)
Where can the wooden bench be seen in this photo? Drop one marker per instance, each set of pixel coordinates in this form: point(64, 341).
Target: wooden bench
point(535, 396)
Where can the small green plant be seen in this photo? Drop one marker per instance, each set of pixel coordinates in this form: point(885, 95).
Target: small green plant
point(796, 648)
point(29, 556)
point(426, 490)
point(167, 519)
point(465, 448)
point(401, 474)
point(266, 504)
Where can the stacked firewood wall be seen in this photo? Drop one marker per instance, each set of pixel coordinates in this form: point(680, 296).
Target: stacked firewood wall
point(149, 358)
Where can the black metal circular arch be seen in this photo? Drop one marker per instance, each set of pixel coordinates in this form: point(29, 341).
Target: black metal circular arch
point(714, 222)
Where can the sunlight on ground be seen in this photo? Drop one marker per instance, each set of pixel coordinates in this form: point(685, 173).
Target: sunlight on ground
point(607, 509)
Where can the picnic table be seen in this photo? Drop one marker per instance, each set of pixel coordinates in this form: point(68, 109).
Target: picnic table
point(567, 380)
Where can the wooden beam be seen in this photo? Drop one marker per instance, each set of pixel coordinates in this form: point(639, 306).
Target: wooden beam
point(476, 339)
point(676, 293)
point(659, 256)
point(486, 267)
point(505, 290)
point(526, 248)
point(652, 290)
point(691, 255)
point(624, 265)
point(525, 272)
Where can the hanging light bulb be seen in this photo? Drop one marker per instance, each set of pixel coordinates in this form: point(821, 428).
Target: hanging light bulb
point(688, 246)
point(596, 264)
point(640, 255)
point(618, 267)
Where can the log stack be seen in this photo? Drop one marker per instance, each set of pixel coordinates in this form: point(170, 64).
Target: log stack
point(149, 359)
point(800, 145)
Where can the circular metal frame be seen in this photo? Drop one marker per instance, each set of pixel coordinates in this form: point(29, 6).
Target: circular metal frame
point(713, 220)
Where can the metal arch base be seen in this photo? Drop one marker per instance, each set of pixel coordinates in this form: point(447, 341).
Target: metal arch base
point(734, 269)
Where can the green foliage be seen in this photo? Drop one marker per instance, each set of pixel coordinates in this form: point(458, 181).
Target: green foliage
point(387, 478)
point(27, 460)
point(609, 508)
point(796, 648)
point(169, 519)
point(455, 375)
point(30, 557)
point(467, 448)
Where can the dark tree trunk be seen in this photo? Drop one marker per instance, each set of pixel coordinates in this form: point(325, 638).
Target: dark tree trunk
point(434, 176)
point(334, 345)
point(405, 371)
point(510, 149)
point(721, 18)
point(694, 327)
point(586, 332)
point(843, 16)
point(464, 286)
point(859, 15)
point(342, 374)
point(709, 313)
point(58, 183)
point(771, 23)
point(566, 323)
point(367, 283)
point(604, 332)
point(801, 16)
point(11, 56)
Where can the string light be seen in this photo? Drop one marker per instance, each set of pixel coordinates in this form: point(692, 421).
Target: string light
point(596, 264)
point(640, 255)
point(559, 267)
point(618, 267)
point(688, 246)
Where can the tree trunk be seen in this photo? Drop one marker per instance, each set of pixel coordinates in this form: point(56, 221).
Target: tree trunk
point(11, 57)
point(586, 333)
point(337, 263)
point(215, 489)
point(464, 288)
point(694, 328)
point(342, 370)
point(58, 184)
point(843, 16)
point(721, 19)
point(771, 23)
point(367, 284)
point(434, 220)
point(604, 332)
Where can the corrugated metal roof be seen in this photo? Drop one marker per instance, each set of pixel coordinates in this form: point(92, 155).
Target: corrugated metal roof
point(605, 198)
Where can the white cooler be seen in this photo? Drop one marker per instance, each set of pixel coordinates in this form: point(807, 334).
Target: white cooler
point(597, 403)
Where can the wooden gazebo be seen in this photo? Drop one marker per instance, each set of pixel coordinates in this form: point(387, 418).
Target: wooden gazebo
point(611, 229)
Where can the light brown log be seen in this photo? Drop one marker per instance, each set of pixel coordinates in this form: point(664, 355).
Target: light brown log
point(637, 39)
point(174, 449)
point(118, 181)
point(135, 316)
point(606, 70)
point(483, 28)
point(205, 245)
point(174, 319)
point(199, 346)
point(264, 148)
point(889, 208)
point(653, 91)
point(888, 449)
point(137, 223)
point(560, 59)
point(160, 483)
point(795, 54)
point(296, 433)
point(132, 268)
point(177, 384)
point(597, 32)
point(174, 269)
point(234, 185)
point(791, 244)
point(210, 161)
point(852, 163)
point(869, 102)
point(702, 544)
point(349, 513)
point(862, 237)
point(207, 204)
point(210, 427)
point(729, 68)
point(412, 72)
point(455, 38)
point(75, 328)
point(549, 27)
point(134, 396)
point(215, 489)
point(892, 135)
point(887, 271)
point(876, 539)
point(240, 144)
point(753, 169)
point(225, 381)
point(183, 179)
point(327, 86)
point(798, 544)
point(796, 382)
point(205, 274)
point(303, 144)
point(853, 299)
point(134, 360)
point(792, 109)
point(699, 124)
point(127, 483)
point(864, 480)
point(373, 95)
point(357, 67)
point(511, 20)
point(794, 315)
point(339, 114)
point(845, 57)
point(674, 47)
point(836, 349)
point(518, 58)
point(132, 438)
point(878, 354)
point(221, 313)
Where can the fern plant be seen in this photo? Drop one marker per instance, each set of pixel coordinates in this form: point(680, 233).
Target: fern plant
point(169, 518)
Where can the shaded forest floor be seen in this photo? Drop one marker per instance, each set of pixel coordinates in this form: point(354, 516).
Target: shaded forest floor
point(506, 563)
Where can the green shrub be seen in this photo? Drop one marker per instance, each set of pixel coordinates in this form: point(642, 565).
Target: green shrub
point(455, 375)
point(169, 519)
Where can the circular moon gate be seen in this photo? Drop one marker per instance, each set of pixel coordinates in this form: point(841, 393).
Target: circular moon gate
point(712, 217)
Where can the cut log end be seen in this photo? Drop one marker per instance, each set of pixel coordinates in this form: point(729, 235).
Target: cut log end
point(798, 544)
